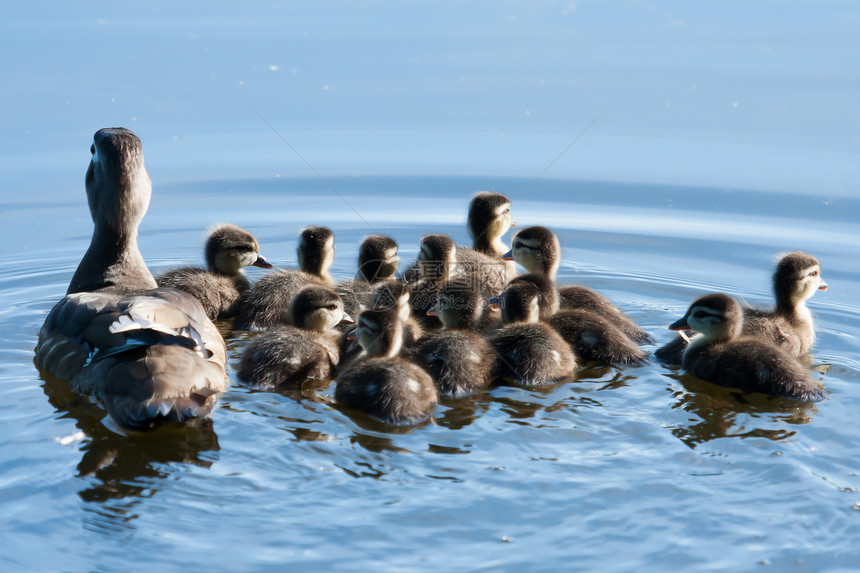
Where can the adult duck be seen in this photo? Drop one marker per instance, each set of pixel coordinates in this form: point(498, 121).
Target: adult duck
point(149, 354)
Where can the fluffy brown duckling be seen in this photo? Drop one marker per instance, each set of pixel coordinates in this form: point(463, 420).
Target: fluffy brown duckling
point(267, 302)
point(289, 355)
point(377, 262)
point(384, 385)
point(530, 352)
point(440, 259)
point(149, 354)
point(538, 250)
point(222, 285)
point(489, 219)
point(590, 335)
point(723, 355)
point(459, 359)
point(790, 325)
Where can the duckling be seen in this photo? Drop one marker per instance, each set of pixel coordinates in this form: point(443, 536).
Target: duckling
point(537, 250)
point(149, 354)
point(439, 259)
point(377, 261)
point(268, 300)
point(590, 335)
point(387, 387)
point(289, 355)
point(548, 302)
point(459, 360)
point(489, 219)
point(395, 294)
point(595, 339)
point(790, 324)
point(222, 285)
point(722, 355)
point(530, 352)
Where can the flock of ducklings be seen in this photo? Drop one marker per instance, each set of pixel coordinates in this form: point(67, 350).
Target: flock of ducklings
point(457, 320)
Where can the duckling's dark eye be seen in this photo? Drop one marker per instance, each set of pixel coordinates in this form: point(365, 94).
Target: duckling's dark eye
point(700, 314)
point(93, 149)
point(244, 248)
point(507, 211)
point(332, 307)
point(813, 274)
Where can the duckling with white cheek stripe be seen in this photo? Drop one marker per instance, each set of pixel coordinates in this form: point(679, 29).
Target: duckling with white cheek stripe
point(289, 355)
point(222, 285)
point(268, 300)
point(459, 359)
point(722, 355)
point(538, 251)
point(790, 324)
point(531, 353)
point(384, 385)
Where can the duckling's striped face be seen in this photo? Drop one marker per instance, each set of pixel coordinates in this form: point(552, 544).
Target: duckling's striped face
point(712, 322)
point(708, 321)
point(324, 315)
point(231, 256)
point(528, 253)
point(808, 283)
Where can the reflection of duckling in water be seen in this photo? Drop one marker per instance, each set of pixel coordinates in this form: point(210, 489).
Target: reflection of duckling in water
point(537, 250)
point(790, 324)
point(289, 355)
point(384, 385)
point(149, 354)
point(489, 219)
point(530, 352)
point(460, 360)
point(721, 354)
point(268, 300)
point(377, 261)
point(222, 285)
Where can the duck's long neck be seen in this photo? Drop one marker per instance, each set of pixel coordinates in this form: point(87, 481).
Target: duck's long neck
point(113, 259)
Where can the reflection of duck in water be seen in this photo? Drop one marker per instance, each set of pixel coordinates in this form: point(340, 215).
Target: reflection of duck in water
point(716, 412)
point(723, 356)
point(127, 464)
point(268, 300)
point(149, 354)
point(537, 250)
point(222, 285)
point(790, 324)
